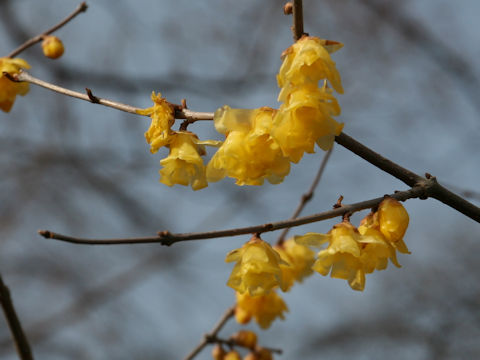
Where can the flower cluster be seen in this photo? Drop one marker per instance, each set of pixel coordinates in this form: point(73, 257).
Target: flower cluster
point(260, 143)
point(184, 164)
point(351, 253)
point(10, 89)
point(259, 270)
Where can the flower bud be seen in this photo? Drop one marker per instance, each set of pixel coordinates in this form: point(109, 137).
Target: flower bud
point(218, 353)
point(52, 47)
point(232, 355)
point(259, 354)
point(245, 338)
point(393, 219)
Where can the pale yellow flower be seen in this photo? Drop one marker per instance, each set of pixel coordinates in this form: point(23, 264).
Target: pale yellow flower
point(306, 119)
point(300, 260)
point(249, 154)
point(308, 61)
point(163, 117)
point(342, 257)
point(184, 165)
point(10, 89)
point(263, 308)
point(376, 250)
point(257, 269)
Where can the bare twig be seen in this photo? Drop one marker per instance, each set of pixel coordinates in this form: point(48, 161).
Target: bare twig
point(21, 342)
point(179, 112)
point(166, 238)
point(212, 334)
point(80, 8)
point(231, 343)
point(408, 177)
point(297, 28)
point(308, 195)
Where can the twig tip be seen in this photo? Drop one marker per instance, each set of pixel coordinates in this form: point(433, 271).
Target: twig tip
point(45, 233)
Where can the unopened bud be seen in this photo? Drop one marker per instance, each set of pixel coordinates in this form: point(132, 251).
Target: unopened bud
point(218, 353)
point(232, 355)
point(288, 8)
point(245, 338)
point(52, 47)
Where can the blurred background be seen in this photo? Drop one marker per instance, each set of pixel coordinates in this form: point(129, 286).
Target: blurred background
point(412, 84)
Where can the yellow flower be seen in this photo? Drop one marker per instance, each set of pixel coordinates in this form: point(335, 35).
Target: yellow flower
point(163, 117)
point(257, 269)
point(376, 250)
point(184, 165)
point(306, 119)
point(10, 89)
point(308, 61)
point(393, 222)
point(249, 154)
point(300, 259)
point(263, 308)
point(52, 47)
point(341, 258)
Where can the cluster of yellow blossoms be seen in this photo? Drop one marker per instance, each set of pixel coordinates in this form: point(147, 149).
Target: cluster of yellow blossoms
point(259, 270)
point(350, 254)
point(259, 143)
point(10, 89)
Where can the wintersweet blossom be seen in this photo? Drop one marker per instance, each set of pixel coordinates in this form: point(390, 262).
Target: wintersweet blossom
point(300, 260)
point(184, 165)
point(257, 269)
point(308, 61)
point(263, 308)
point(10, 89)
point(249, 153)
point(376, 249)
point(393, 222)
point(305, 120)
point(163, 117)
point(342, 257)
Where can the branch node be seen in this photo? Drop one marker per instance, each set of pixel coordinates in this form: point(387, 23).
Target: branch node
point(11, 77)
point(92, 97)
point(338, 204)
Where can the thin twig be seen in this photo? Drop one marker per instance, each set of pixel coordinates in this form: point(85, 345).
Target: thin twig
point(166, 238)
point(81, 8)
point(19, 337)
point(231, 343)
point(408, 177)
point(297, 28)
point(88, 96)
point(308, 195)
point(212, 334)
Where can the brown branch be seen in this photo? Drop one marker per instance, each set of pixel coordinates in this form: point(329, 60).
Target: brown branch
point(166, 238)
point(212, 334)
point(308, 195)
point(180, 113)
point(436, 191)
point(19, 337)
point(297, 28)
point(232, 343)
point(80, 8)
